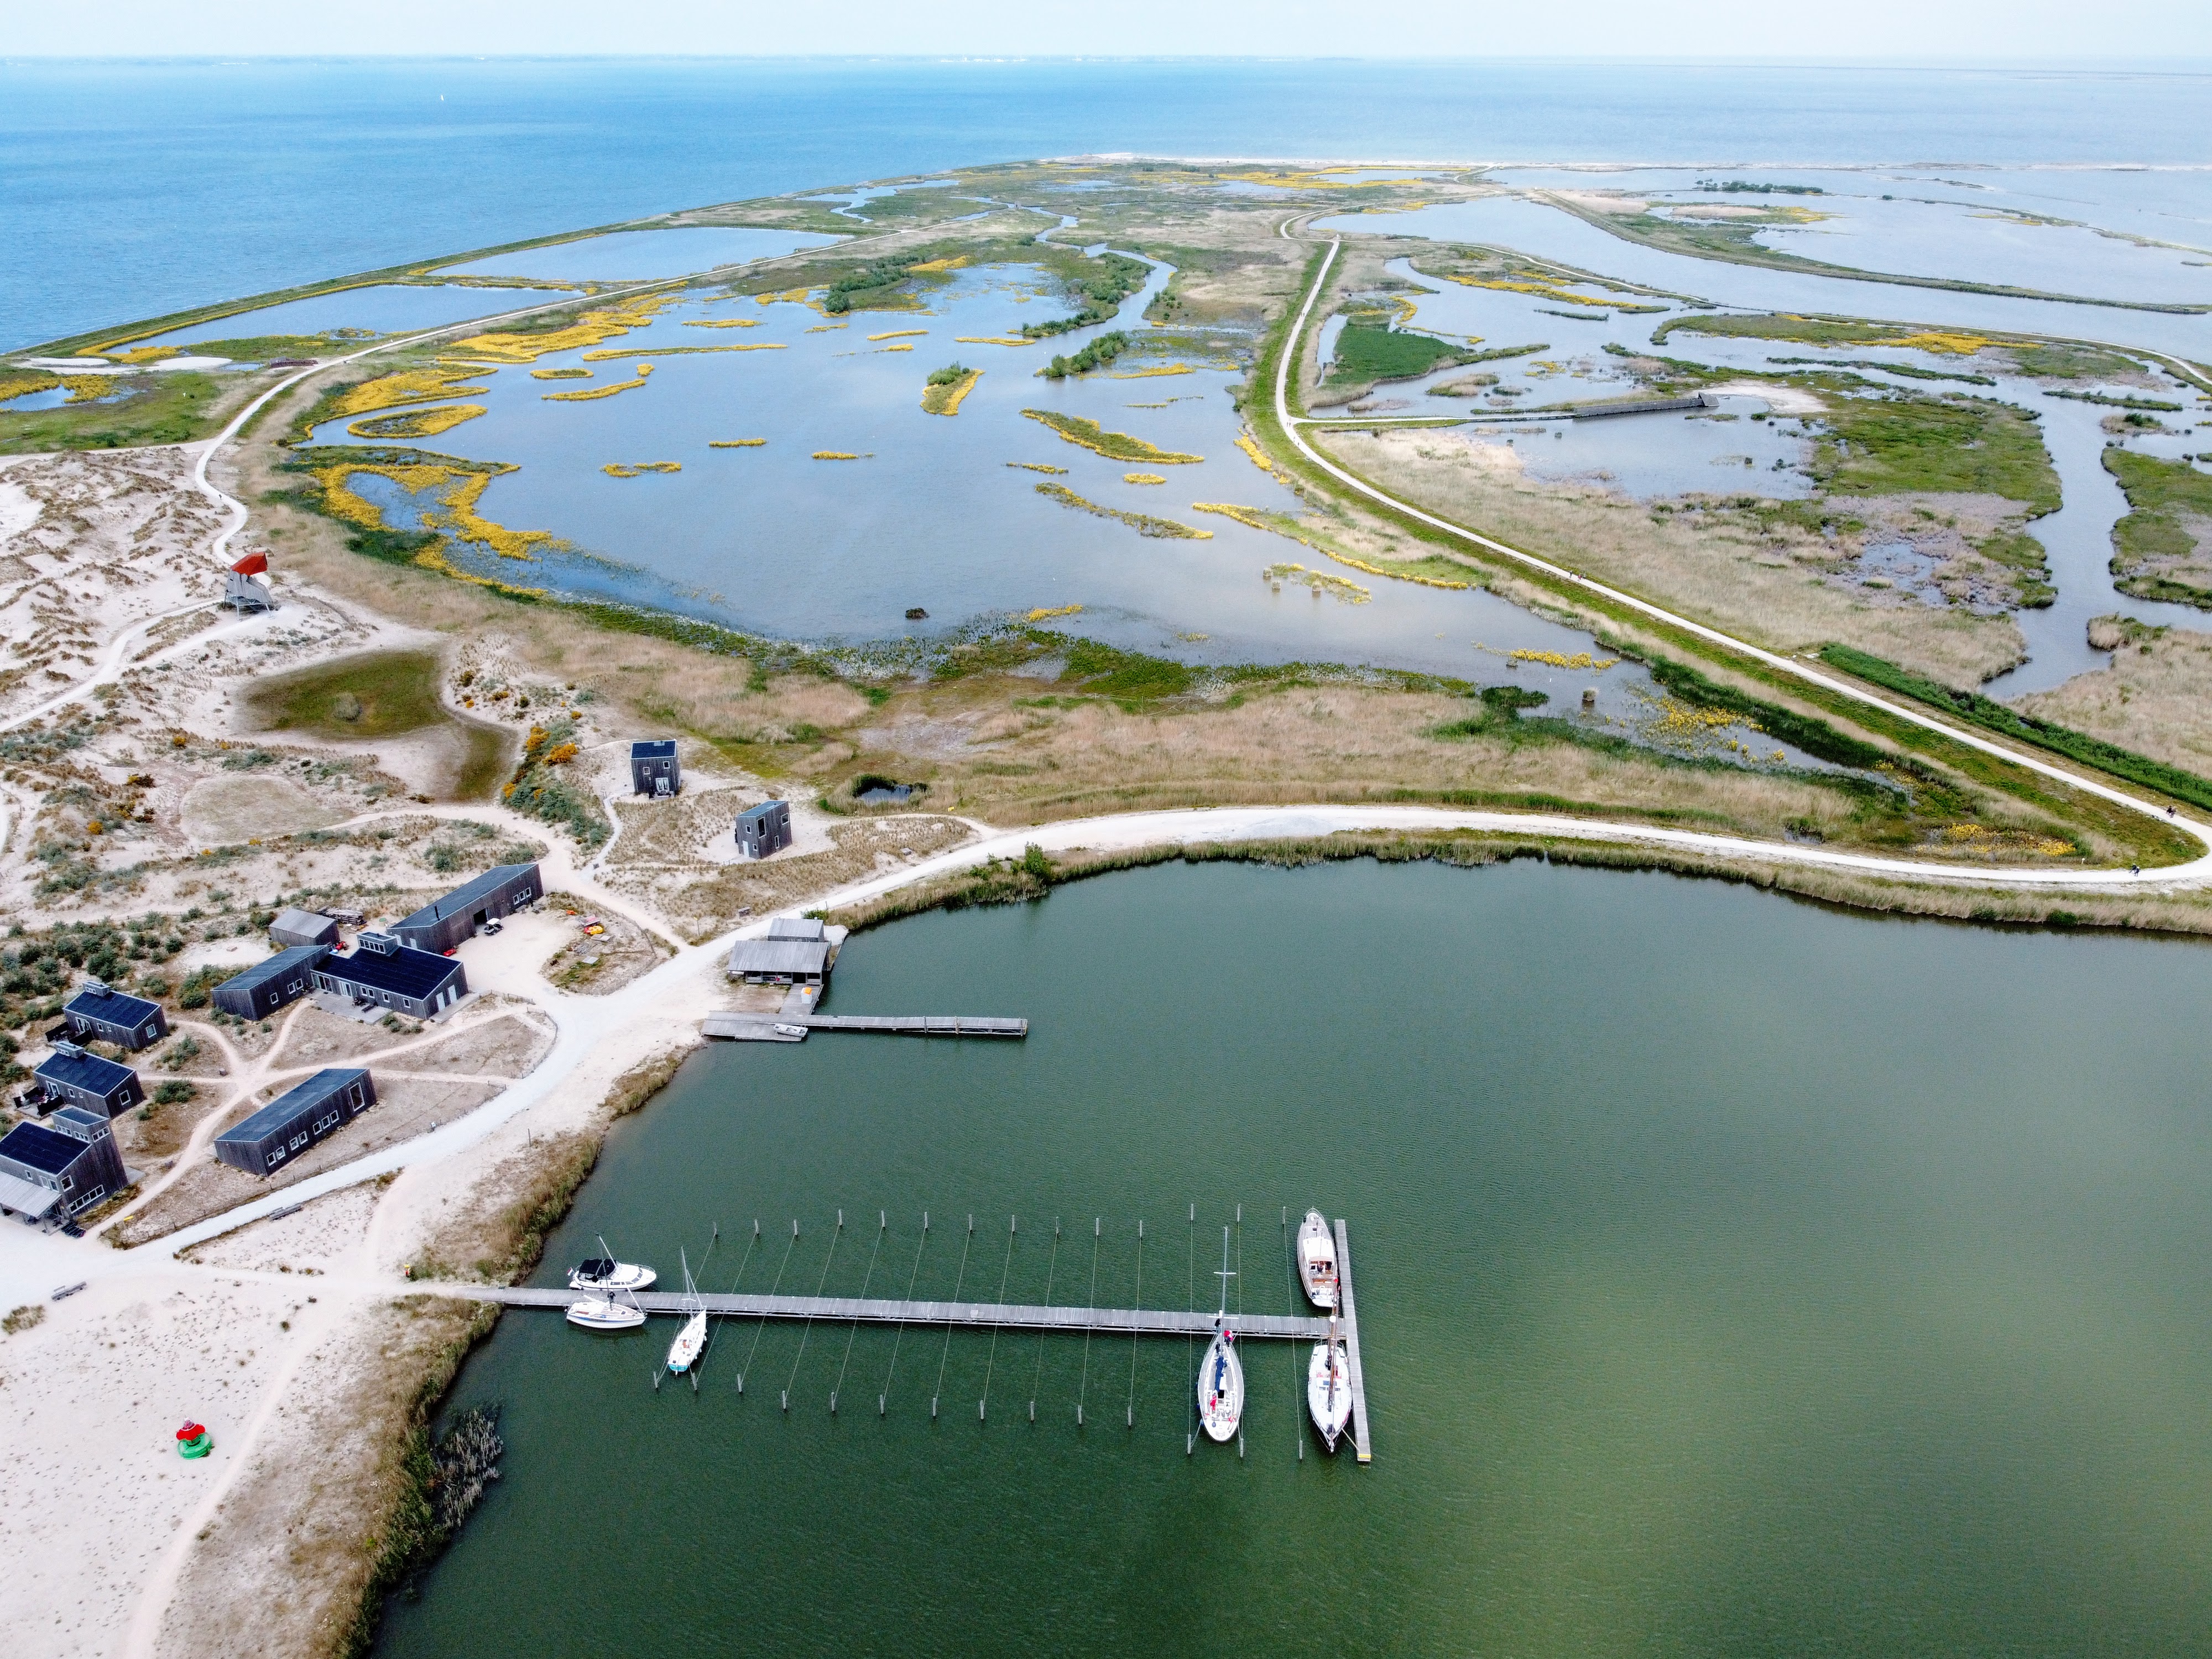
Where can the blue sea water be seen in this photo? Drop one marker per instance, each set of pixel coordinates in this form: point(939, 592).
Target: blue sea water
point(128, 189)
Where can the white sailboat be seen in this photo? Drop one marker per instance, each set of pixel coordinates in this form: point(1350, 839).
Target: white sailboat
point(692, 1342)
point(1221, 1375)
point(1317, 1260)
point(1328, 1389)
point(606, 1275)
point(618, 1312)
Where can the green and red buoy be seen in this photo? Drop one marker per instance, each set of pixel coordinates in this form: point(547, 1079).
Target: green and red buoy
point(194, 1441)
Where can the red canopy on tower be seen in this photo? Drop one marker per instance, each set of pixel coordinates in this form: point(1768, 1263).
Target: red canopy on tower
point(251, 565)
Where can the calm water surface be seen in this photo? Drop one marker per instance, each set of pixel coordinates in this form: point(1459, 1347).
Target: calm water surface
point(1735, 1277)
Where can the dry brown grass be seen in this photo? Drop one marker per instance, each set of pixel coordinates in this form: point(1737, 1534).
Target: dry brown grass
point(2156, 698)
point(283, 1570)
point(1773, 587)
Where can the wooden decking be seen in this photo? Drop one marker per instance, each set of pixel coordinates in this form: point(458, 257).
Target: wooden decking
point(762, 1028)
point(979, 1315)
point(1359, 1441)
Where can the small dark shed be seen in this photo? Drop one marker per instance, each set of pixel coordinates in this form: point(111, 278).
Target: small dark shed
point(68, 1163)
point(74, 1077)
point(128, 1022)
point(390, 976)
point(297, 1119)
point(302, 927)
point(764, 828)
point(267, 986)
point(491, 895)
point(654, 769)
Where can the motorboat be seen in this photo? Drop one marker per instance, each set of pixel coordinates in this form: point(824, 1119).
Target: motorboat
point(1328, 1389)
point(606, 1275)
point(1317, 1260)
point(1221, 1374)
point(605, 1314)
point(690, 1341)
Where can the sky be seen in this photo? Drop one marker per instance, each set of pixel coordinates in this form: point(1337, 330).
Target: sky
point(1950, 31)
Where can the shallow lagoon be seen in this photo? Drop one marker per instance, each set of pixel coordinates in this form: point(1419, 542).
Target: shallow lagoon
point(381, 308)
point(642, 256)
point(1692, 1324)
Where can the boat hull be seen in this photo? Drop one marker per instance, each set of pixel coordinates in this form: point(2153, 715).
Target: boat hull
point(593, 1315)
point(626, 1276)
point(691, 1342)
point(1317, 1262)
point(1328, 1392)
point(1221, 1388)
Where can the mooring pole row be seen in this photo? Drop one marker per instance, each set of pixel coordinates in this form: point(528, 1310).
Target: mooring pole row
point(883, 1399)
point(807, 1330)
point(1037, 1376)
point(1139, 1309)
point(1097, 1228)
point(883, 1223)
point(1190, 1342)
point(1011, 1227)
point(759, 1329)
point(947, 1353)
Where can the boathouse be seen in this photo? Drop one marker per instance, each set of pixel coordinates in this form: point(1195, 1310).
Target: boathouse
point(272, 983)
point(297, 1119)
point(764, 828)
point(383, 973)
point(302, 927)
point(63, 1166)
point(71, 1077)
point(496, 893)
point(128, 1022)
point(653, 767)
point(797, 951)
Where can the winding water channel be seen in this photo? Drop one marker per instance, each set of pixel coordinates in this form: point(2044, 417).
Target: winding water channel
point(1734, 1276)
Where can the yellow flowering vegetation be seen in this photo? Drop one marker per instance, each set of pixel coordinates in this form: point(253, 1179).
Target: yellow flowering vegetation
point(834, 455)
point(560, 373)
point(1152, 373)
point(88, 388)
point(889, 348)
point(897, 333)
point(992, 339)
point(610, 356)
point(1957, 345)
point(1542, 289)
point(727, 322)
point(1320, 581)
point(21, 382)
point(1042, 614)
point(1250, 445)
point(143, 355)
point(1145, 478)
point(643, 369)
point(946, 399)
point(1289, 180)
point(828, 328)
point(415, 422)
point(795, 296)
point(454, 492)
point(1037, 466)
point(626, 470)
point(735, 443)
point(1281, 524)
point(937, 267)
point(1114, 446)
point(591, 328)
point(1143, 523)
point(409, 386)
point(1979, 838)
point(1561, 660)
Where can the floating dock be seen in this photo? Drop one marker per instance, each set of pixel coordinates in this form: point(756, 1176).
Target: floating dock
point(1359, 1441)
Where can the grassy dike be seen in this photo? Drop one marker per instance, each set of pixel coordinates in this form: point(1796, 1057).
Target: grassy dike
point(2142, 839)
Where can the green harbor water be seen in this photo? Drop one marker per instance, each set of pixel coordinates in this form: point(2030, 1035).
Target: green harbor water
point(1734, 1277)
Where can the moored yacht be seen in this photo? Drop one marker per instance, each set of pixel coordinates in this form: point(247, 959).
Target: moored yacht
point(1221, 1374)
point(1317, 1260)
point(692, 1342)
point(606, 1314)
point(606, 1275)
point(1328, 1389)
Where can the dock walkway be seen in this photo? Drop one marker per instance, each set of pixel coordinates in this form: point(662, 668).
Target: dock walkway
point(762, 1028)
point(981, 1316)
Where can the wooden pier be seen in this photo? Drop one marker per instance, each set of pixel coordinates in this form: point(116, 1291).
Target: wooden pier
point(977, 1316)
point(1359, 1441)
point(762, 1028)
